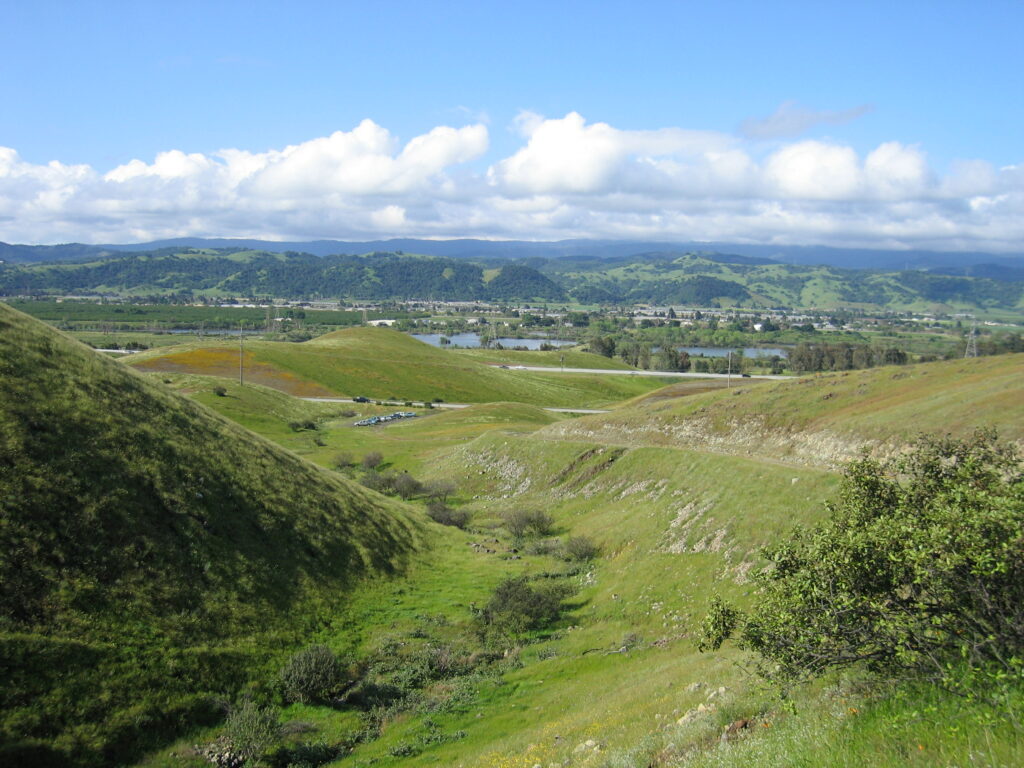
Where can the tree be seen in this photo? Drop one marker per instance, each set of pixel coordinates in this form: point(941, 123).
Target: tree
point(602, 345)
point(918, 570)
point(407, 486)
point(372, 460)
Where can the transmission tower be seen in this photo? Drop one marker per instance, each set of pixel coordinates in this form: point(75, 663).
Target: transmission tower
point(972, 341)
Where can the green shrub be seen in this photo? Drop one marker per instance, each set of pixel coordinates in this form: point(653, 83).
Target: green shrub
point(522, 522)
point(372, 460)
point(220, 392)
point(249, 731)
point(343, 460)
point(580, 549)
point(407, 486)
point(516, 608)
point(918, 571)
point(313, 675)
point(439, 489)
point(441, 513)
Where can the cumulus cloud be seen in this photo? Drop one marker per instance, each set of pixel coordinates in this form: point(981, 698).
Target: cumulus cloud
point(568, 178)
point(791, 120)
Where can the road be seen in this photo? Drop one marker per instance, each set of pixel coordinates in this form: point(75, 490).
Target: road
point(444, 405)
point(620, 372)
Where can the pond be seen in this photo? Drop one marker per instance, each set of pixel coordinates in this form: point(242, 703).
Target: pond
point(473, 340)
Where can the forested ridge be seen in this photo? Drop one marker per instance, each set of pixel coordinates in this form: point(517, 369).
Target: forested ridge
point(693, 279)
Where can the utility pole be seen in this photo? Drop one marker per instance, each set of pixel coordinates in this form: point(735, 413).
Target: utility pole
point(241, 352)
point(563, 363)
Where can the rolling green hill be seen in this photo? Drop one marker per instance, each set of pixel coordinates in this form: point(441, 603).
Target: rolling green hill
point(825, 419)
point(692, 279)
point(718, 280)
point(237, 272)
point(152, 553)
point(381, 363)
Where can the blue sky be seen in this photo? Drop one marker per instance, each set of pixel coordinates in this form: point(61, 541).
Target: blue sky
point(894, 124)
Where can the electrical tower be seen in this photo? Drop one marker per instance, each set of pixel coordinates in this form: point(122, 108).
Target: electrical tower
point(972, 341)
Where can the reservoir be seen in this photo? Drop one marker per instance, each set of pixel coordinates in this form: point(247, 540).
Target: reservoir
point(473, 340)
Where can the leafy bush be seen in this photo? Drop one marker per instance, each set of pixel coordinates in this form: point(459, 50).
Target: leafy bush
point(248, 732)
point(407, 486)
point(313, 675)
point(372, 460)
point(343, 460)
point(441, 513)
point(516, 608)
point(521, 522)
point(310, 755)
point(918, 570)
point(439, 489)
point(220, 391)
point(382, 482)
point(581, 549)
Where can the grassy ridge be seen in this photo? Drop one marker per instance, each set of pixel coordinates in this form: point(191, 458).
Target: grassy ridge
point(153, 553)
point(381, 363)
point(825, 419)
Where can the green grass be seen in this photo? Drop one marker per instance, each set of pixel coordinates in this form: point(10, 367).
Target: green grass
point(676, 523)
point(381, 363)
point(827, 418)
point(406, 445)
point(571, 357)
point(154, 553)
point(844, 725)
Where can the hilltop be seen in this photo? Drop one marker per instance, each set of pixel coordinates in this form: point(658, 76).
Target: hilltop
point(153, 552)
point(384, 364)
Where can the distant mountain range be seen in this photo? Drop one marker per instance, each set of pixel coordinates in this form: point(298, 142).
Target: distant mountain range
point(961, 263)
point(656, 277)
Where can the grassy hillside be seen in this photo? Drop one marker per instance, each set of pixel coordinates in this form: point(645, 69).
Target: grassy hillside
point(407, 444)
point(152, 552)
point(824, 419)
point(571, 358)
point(617, 681)
point(381, 363)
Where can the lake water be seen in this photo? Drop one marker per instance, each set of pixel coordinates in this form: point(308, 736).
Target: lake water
point(473, 340)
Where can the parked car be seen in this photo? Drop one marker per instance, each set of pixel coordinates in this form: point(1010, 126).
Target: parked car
point(360, 399)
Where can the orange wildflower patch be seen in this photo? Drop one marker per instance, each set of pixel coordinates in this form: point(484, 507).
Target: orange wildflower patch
point(219, 361)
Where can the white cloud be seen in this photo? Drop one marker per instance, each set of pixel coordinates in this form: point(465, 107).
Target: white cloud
point(813, 170)
point(568, 178)
point(791, 120)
